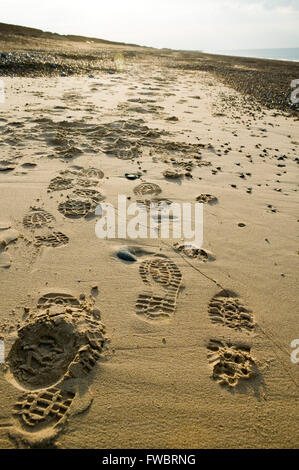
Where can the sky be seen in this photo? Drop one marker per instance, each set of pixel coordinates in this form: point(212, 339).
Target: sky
point(208, 25)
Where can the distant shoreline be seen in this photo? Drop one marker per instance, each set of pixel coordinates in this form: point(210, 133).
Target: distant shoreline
point(286, 54)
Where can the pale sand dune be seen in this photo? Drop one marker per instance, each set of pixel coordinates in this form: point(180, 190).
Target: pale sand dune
point(195, 351)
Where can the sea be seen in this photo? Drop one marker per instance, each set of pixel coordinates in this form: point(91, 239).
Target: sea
point(291, 54)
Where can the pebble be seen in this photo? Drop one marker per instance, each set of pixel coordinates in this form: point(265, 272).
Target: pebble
point(126, 256)
point(132, 176)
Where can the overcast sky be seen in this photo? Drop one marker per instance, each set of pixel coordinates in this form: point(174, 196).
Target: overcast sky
point(180, 24)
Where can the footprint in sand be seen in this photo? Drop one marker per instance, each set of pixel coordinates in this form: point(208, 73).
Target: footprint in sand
point(122, 139)
point(207, 199)
point(75, 208)
point(226, 309)
point(157, 204)
point(56, 347)
point(38, 218)
point(87, 182)
point(193, 252)
point(94, 173)
point(78, 171)
point(144, 189)
point(53, 298)
point(53, 239)
point(91, 194)
point(81, 201)
point(123, 149)
point(60, 184)
point(163, 278)
point(42, 413)
point(41, 220)
point(231, 363)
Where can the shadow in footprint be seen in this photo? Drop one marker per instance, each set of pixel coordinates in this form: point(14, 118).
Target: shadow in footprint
point(57, 347)
point(130, 254)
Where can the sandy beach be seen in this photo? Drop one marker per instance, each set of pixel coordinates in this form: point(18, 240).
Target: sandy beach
point(143, 343)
